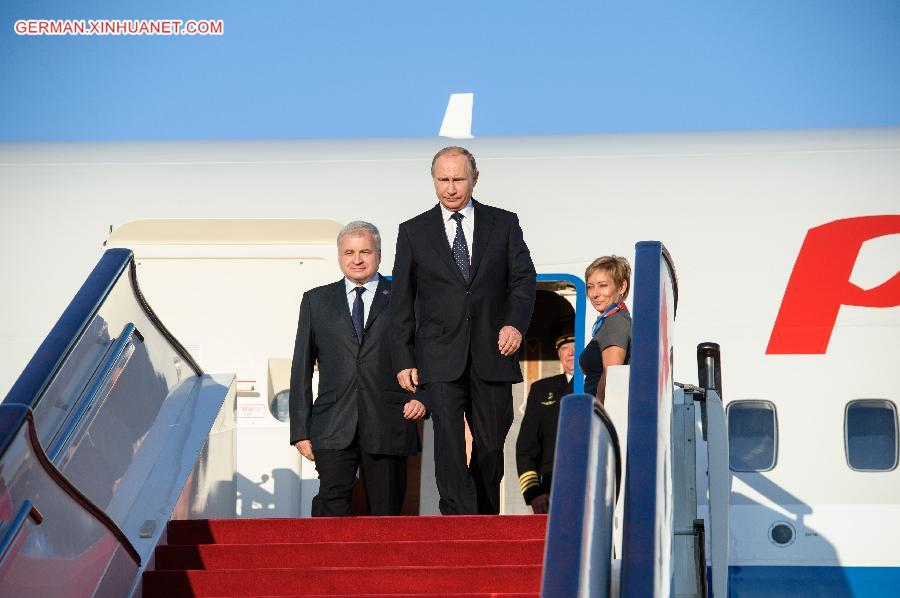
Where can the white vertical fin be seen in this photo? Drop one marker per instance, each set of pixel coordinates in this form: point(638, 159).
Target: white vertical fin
point(457, 122)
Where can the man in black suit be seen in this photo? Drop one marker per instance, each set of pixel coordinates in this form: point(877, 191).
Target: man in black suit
point(456, 327)
point(536, 444)
point(361, 416)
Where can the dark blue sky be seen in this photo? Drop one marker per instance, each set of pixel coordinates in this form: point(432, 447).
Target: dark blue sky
point(304, 68)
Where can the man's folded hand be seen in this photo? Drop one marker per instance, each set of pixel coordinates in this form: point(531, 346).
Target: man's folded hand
point(305, 448)
point(413, 410)
point(509, 340)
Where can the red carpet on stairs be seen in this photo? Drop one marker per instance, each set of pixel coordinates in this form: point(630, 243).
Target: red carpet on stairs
point(359, 557)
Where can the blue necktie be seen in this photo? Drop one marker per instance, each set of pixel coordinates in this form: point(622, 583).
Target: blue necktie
point(357, 314)
point(460, 249)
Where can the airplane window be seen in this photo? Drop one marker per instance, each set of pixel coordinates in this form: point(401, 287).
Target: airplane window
point(870, 435)
point(752, 435)
point(280, 406)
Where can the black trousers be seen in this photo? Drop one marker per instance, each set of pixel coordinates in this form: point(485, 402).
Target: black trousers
point(487, 406)
point(384, 477)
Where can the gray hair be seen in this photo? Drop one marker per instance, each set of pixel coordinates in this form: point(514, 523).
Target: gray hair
point(455, 149)
point(358, 228)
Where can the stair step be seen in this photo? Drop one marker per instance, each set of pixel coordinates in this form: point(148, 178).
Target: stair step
point(356, 529)
point(522, 579)
point(350, 554)
point(405, 595)
point(453, 595)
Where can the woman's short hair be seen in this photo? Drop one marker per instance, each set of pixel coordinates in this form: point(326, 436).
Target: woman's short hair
point(617, 267)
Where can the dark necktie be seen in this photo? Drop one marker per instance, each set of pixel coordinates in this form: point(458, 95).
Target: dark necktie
point(460, 249)
point(357, 315)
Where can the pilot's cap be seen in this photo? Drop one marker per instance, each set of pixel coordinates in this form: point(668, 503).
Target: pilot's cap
point(562, 339)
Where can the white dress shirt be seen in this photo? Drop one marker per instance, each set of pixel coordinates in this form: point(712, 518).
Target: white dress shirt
point(468, 224)
point(367, 297)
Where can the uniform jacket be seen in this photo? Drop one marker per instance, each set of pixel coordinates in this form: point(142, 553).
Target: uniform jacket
point(536, 444)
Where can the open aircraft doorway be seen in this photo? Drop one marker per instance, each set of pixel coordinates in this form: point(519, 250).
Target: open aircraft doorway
point(559, 306)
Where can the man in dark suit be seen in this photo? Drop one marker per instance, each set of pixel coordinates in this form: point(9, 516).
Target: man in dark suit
point(361, 416)
point(536, 444)
point(456, 327)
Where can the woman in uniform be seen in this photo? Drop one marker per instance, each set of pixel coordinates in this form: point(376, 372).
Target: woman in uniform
point(608, 280)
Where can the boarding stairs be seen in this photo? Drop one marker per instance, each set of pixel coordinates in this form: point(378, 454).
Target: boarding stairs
point(117, 450)
point(464, 557)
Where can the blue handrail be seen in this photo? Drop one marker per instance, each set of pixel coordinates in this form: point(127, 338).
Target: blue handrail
point(578, 556)
point(26, 428)
point(70, 352)
point(647, 395)
point(71, 326)
point(16, 415)
point(102, 382)
point(14, 529)
point(586, 478)
point(31, 384)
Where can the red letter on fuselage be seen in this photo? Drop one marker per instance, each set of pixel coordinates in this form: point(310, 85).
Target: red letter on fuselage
point(820, 284)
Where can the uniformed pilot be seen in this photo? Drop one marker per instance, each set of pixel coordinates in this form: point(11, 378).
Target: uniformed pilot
point(537, 435)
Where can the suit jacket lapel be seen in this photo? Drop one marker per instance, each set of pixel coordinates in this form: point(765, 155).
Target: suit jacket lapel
point(438, 238)
point(484, 224)
point(340, 306)
point(379, 302)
